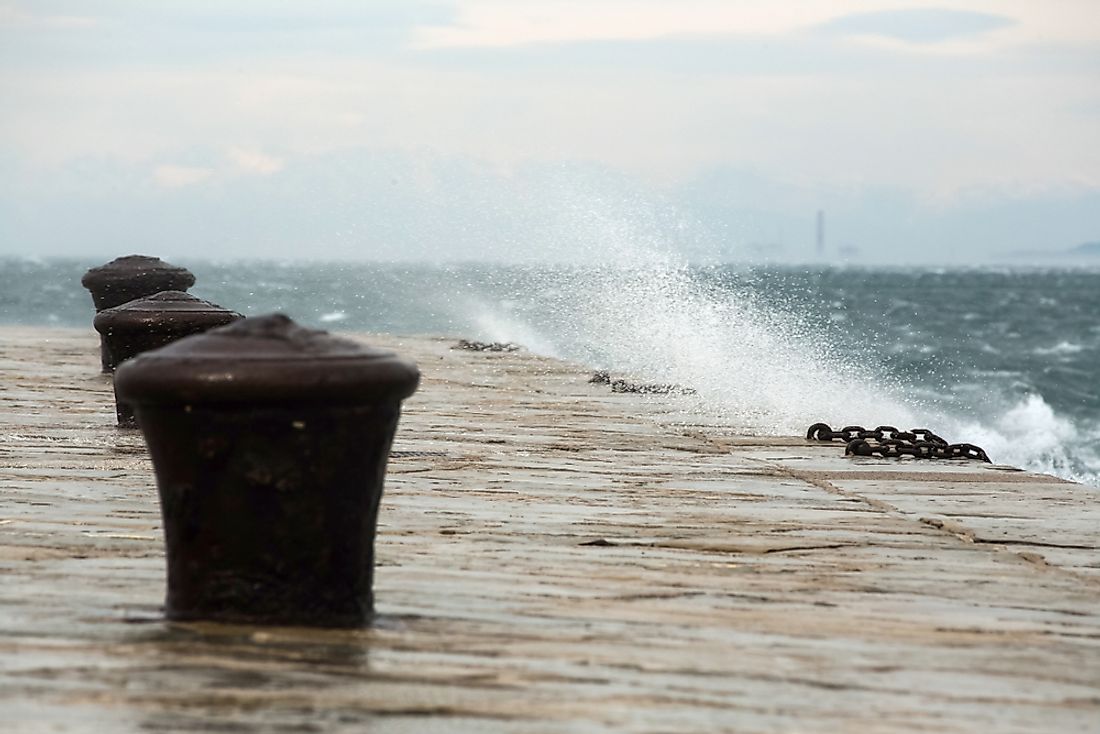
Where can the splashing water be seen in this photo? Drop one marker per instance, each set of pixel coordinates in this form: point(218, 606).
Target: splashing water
point(754, 363)
point(1029, 434)
point(749, 365)
point(641, 310)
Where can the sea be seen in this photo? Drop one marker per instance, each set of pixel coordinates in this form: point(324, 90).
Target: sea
point(1006, 358)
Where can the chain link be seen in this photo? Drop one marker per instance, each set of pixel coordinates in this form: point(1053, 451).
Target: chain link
point(889, 442)
point(471, 346)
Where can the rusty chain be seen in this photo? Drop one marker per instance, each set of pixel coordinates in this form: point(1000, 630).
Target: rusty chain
point(822, 432)
point(889, 442)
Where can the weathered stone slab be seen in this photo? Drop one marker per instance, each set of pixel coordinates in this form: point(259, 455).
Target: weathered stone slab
point(557, 558)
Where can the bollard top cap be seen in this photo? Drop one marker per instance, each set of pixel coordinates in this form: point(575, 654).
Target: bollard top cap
point(137, 267)
point(163, 310)
point(265, 359)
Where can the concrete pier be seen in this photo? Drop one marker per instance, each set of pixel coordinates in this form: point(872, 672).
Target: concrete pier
point(555, 557)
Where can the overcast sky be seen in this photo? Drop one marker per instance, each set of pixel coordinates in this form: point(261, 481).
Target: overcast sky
point(484, 129)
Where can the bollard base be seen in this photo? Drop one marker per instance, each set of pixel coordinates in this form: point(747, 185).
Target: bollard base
point(270, 512)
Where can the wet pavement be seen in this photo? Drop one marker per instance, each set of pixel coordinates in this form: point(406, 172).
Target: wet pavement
point(555, 557)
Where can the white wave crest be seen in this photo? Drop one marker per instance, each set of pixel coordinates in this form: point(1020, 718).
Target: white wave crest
point(1062, 347)
point(1031, 435)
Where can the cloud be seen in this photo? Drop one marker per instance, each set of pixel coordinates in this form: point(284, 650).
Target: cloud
point(237, 161)
point(12, 16)
point(917, 25)
point(497, 24)
point(799, 104)
point(170, 176)
point(78, 34)
point(253, 161)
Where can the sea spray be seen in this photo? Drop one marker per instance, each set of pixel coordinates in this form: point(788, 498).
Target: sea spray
point(747, 364)
point(753, 359)
point(640, 309)
point(1029, 434)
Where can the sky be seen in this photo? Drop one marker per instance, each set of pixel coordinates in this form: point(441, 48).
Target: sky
point(959, 131)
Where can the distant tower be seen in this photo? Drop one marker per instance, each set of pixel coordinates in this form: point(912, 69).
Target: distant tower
point(820, 233)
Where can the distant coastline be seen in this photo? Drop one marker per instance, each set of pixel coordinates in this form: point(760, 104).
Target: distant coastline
point(1087, 253)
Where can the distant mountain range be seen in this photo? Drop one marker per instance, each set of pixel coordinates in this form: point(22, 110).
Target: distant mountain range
point(1088, 249)
point(1087, 252)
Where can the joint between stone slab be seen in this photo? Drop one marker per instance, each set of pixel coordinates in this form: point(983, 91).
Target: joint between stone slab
point(815, 480)
point(949, 527)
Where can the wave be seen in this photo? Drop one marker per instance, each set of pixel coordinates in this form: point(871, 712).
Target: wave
point(1062, 347)
point(1030, 434)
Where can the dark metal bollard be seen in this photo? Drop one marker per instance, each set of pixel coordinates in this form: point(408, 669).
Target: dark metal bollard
point(126, 278)
point(148, 323)
point(269, 443)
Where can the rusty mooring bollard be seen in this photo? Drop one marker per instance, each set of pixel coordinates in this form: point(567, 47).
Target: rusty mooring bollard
point(269, 442)
point(148, 323)
point(126, 278)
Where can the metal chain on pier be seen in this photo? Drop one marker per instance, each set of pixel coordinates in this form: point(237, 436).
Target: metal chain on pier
point(822, 432)
point(889, 442)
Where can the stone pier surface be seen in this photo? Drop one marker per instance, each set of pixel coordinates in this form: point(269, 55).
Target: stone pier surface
point(555, 557)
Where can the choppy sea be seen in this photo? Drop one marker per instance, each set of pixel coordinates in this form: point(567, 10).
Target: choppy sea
point(1005, 358)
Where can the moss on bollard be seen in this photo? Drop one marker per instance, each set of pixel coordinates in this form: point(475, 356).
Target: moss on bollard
point(269, 443)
